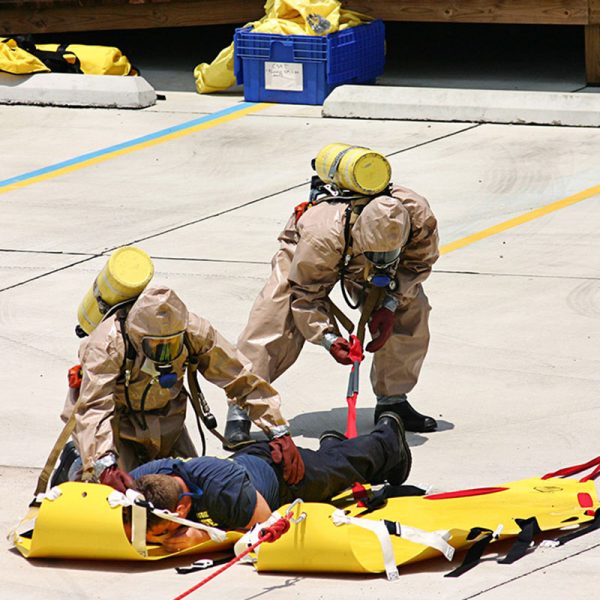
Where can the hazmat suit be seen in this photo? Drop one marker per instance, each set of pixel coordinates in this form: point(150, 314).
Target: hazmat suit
point(131, 414)
point(294, 305)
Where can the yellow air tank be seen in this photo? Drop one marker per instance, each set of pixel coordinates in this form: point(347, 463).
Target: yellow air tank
point(353, 168)
point(124, 276)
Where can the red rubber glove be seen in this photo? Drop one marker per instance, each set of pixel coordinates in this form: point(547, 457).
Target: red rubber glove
point(382, 324)
point(116, 478)
point(283, 450)
point(340, 350)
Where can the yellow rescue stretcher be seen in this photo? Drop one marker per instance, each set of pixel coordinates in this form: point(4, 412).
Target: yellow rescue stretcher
point(85, 520)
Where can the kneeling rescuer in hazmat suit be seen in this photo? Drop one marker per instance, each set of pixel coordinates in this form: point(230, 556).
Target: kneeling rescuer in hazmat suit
point(127, 416)
point(369, 234)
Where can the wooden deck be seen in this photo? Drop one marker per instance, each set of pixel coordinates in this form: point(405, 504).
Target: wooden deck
point(43, 16)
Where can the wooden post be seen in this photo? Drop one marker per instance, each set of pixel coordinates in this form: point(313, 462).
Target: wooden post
point(592, 54)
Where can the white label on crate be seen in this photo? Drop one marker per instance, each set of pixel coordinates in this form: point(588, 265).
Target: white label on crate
point(283, 76)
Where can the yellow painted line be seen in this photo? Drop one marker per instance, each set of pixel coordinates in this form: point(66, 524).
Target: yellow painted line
point(158, 137)
point(524, 218)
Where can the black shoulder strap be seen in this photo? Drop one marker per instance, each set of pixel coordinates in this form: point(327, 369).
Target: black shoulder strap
point(475, 552)
point(529, 529)
point(54, 60)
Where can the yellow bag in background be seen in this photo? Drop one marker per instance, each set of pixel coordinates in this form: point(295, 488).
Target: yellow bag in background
point(286, 17)
point(17, 61)
point(20, 56)
point(96, 60)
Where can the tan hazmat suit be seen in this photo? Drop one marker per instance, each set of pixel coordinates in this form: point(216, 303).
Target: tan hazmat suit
point(104, 422)
point(294, 304)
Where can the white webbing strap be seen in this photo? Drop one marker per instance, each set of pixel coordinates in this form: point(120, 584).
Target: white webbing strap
point(379, 529)
point(251, 537)
point(51, 494)
point(433, 539)
point(138, 518)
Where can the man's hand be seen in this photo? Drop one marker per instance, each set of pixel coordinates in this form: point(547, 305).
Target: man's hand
point(283, 450)
point(116, 478)
point(184, 537)
point(381, 326)
point(340, 350)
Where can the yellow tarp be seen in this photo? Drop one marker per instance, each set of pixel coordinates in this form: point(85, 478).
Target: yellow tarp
point(287, 17)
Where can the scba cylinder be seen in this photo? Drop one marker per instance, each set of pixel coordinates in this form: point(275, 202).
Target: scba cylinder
point(354, 168)
point(124, 276)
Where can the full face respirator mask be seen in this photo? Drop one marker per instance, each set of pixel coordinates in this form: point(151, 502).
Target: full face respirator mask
point(161, 351)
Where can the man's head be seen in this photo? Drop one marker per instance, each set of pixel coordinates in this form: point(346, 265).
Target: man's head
point(163, 492)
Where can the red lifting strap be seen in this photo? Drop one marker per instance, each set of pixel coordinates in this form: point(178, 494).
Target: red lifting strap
point(356, 356)
point(566, 471)
point(356, 351)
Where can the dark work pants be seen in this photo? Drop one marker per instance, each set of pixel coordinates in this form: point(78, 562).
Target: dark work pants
point(337, 464)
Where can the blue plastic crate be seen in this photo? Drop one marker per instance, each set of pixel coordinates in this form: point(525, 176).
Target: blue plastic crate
point(303, 69)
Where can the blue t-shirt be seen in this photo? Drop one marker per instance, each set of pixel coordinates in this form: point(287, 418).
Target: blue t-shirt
point(224, 490)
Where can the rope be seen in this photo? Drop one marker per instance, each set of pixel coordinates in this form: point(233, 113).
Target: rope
point(268, 534)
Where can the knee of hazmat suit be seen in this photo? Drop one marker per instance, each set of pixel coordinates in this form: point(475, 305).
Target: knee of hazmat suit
point(156, 325)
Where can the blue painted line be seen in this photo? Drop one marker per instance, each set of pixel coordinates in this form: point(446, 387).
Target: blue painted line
point(124, 145)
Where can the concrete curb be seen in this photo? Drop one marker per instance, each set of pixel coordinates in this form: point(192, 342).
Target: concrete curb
point(62, 89)
point(441, 104)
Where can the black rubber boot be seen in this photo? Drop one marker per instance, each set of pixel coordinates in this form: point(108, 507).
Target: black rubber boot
point(331, 435)
point(237, 434)
point(398, 474)
point(68, 456)
point(412, 420)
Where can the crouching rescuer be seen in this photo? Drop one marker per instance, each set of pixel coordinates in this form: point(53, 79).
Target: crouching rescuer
point(129, 406)
point(380, 242)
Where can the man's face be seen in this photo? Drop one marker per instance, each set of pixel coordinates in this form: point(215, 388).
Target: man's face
point(160, 531)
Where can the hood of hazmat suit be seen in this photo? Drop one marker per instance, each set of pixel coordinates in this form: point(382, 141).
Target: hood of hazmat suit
point(382, 226)
point(158, 315)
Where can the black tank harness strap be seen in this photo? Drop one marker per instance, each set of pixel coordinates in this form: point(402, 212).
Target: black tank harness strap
point(198, 400)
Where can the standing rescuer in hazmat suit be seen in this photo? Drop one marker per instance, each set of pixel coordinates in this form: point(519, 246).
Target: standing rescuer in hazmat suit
point(387, 240)
point(127, 416)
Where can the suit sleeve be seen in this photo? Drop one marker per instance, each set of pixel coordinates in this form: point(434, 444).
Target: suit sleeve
point(221, 364)
point(93, 434)
point(314, 272)
point(417, 259)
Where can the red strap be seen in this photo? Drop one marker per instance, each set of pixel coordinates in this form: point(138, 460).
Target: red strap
point(356, 351)
point(300, 210)
point(360, 494)
point(74, 376)
point(351, 431)
point(566, 471)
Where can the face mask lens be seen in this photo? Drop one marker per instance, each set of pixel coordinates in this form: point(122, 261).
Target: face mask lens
point(383, 259)
point(163, 350)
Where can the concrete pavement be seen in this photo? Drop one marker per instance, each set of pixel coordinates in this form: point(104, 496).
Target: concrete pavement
point(513, 368)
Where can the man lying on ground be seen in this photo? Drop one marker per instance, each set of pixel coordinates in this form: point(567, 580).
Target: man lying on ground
point(240, 492)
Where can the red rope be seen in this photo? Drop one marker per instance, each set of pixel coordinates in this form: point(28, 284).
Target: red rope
point(268, 534)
